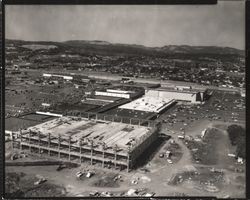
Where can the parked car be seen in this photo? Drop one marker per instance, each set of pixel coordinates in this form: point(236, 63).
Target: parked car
point(170, 161)
point(161, 155)
point(79, 174)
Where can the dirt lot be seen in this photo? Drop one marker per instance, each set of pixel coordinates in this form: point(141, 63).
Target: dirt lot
point(22, 185)
point(204, 151)
point(107, 180)
point(175, 156)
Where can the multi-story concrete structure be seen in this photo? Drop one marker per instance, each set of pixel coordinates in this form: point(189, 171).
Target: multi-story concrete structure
point(96, 141)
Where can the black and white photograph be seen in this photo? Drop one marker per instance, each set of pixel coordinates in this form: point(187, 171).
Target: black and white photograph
point(125, 100)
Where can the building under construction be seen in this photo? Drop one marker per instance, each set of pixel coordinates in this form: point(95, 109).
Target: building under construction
point(99, 142)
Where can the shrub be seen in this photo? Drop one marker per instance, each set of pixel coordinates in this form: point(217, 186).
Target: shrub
point(237, 136)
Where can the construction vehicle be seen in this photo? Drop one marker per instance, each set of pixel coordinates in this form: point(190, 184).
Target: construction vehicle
point(79, 174)
point(40, 181)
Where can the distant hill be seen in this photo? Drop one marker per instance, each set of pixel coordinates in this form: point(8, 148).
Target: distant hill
point(106, 48)
point(200, 49)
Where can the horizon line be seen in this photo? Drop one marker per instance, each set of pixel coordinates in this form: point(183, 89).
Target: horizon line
point(114, 43)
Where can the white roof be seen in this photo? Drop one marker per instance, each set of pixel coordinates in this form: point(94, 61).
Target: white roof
point(148, 104)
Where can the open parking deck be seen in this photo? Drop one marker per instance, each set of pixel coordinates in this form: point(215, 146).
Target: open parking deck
point(103, 141)
point(110, 133)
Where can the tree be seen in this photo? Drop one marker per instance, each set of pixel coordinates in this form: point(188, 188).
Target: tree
point(241, 147)
point(235, 132)
point(237, 136)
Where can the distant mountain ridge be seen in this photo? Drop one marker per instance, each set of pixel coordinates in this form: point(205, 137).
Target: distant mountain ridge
point(107, 48)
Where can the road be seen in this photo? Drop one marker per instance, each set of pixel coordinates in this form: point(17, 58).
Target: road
point(115, 77)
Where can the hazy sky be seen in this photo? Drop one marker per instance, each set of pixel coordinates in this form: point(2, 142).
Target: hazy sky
point(150, 25)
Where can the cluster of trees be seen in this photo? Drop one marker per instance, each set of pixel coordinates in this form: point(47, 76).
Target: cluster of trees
point(237, 136)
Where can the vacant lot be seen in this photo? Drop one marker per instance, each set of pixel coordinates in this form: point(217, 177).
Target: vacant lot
point(22, 185)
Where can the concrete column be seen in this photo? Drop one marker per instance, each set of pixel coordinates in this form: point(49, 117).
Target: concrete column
point(202, 96)
point(103, 156)
point(130, 121)
point(21, 140)
point(12, 140)
point(69, 147)
point(49, 144)
point(115, 157)
point(80, 148)
point(29, 140)
point(91, 158)
point(39, 143)
point(59, 145)
point(88, 116)
point(128, 163)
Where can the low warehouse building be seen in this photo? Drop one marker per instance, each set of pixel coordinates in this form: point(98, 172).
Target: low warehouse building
point(122, 92)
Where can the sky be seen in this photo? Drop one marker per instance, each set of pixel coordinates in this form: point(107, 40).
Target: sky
point(150, 25)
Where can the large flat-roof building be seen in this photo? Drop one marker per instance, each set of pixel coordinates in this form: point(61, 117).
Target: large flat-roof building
point(105, 142)
point(57, 76)
point(179, 93)
point(122, 92)
point(149, 104)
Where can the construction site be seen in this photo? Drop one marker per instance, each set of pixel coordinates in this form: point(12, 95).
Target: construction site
point(105, 143)
point(120, 139)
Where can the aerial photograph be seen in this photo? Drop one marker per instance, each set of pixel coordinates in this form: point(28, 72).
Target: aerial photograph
point(125, 100)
